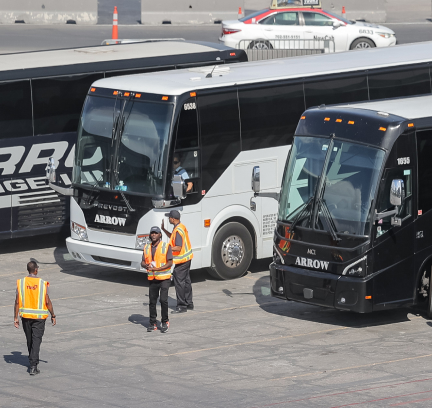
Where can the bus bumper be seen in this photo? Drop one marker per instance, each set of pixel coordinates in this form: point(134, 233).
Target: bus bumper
point(105, 255)
point(321, 288)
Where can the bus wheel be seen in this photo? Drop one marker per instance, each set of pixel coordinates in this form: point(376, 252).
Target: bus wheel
point(232, 251)
point(429, 303)
point(362, 43)
point(260, 45)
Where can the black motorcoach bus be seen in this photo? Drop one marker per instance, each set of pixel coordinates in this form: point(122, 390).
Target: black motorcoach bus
point(41, 97)
point(355, 210)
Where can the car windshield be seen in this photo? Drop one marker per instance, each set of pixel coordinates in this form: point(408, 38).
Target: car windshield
point(341, 176)
point(334, 15)
point(134, 162)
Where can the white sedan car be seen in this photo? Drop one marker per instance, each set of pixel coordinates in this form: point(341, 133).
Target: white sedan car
point(270, 28)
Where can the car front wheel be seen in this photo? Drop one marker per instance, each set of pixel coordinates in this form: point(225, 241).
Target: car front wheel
point(362, 43)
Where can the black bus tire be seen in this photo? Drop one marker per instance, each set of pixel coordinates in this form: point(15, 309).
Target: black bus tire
point(232, 252)
point(429, 303)
point(362, 43)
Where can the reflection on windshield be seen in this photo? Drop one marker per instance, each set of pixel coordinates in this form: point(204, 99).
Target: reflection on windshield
point(304, 169)
point(134, 162)
point(350, 179)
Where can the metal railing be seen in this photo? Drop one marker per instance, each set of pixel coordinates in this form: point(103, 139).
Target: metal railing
point(261, 49)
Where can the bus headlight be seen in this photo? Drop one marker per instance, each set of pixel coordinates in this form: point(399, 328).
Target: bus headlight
point(80, 231)
point(357, 268)
point(141, 240)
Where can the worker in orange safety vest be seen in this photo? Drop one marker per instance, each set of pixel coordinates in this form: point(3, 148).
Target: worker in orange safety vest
point(33, 303)
point(157, 259)
point(182, 252)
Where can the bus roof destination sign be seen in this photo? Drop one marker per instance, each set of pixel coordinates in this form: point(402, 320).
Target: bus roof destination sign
point(282, 4)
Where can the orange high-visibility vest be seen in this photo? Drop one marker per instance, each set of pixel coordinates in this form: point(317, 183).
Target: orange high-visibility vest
point(160, 259)
point(185, 254)
point(32, 294)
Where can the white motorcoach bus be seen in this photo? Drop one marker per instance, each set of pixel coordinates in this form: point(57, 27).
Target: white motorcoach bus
point(41, 97)
point(217, 124)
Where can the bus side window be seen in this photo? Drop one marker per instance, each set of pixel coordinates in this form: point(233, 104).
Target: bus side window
point(424, 154)
point(186, 154)
point(15, 110)
point(383, 204)
point(57, 102)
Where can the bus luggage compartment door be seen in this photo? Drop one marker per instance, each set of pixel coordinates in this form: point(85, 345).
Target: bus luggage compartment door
point(317, 288)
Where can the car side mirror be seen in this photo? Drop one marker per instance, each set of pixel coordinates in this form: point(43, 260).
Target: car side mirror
point(397, 192)
point(179, 187)
point(336, 24)
point(256, 179)
point(50, 170)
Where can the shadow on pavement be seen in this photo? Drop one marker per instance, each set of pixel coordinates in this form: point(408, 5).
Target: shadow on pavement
point(33, 243)
point(318, 314)
point(16, 357)
point(139, 319)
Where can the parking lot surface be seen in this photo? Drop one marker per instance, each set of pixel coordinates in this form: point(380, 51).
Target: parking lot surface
point(239, 347)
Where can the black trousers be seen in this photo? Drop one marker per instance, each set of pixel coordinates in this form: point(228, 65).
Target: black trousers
point(159, 288)
point(34, 330)
point(183, 284)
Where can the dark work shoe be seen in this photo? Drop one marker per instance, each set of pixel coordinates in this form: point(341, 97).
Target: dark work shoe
point(34, 370)
point(179, 309)
point(152, 327)
point(190, 307)
point(165, 327)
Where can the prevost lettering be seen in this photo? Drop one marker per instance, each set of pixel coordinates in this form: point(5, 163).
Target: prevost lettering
point(105, 219)
point(312, 263)
point(110, 207)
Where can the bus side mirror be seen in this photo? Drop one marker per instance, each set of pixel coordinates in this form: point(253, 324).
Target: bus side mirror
point(397, 192)
point(179, 187)
point(256, 179)
point(397, 197)
point(51, 170)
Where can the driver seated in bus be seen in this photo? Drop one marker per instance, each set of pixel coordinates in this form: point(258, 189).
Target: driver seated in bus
point(179, 170)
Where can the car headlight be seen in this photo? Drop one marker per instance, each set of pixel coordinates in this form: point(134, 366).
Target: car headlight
point(80, 231)
point(142, 240)
point(386, 35)
point(357, 268)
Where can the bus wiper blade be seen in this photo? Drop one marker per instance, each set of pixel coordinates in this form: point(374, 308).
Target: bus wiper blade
point(331, 227)
point(93, 188)
point(114, 129)
point(301, 214)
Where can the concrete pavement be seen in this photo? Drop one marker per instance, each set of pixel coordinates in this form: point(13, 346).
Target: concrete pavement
point(239, 348)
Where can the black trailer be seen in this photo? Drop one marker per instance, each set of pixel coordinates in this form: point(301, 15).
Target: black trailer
point(41, 97)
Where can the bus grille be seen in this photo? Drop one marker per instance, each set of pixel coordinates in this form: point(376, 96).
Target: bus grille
point(42, 215)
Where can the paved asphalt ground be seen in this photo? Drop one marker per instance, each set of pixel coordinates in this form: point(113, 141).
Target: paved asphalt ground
point(239, 348)
point(22, 37)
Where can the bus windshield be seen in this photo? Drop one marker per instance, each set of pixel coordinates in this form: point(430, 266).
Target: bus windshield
point(338, 176)
point(123, 145)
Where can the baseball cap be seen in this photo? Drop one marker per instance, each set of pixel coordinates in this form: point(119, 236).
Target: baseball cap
point(155, 229)
point(173, 214)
